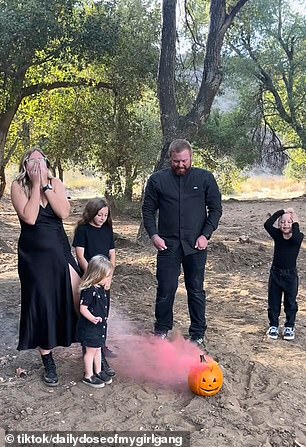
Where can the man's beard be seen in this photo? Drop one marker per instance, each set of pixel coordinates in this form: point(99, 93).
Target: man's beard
point(181, 171)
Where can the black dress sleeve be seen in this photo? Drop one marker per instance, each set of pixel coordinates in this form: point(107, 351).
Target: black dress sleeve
point(87, 296)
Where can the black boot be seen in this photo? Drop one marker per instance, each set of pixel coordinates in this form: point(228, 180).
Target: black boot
point(105, 366)
point(50, 376)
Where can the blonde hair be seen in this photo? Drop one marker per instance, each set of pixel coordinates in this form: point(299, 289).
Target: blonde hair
point(98, 268)
point(23, 177)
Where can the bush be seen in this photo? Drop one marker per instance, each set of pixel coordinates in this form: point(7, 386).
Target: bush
point(296, 168)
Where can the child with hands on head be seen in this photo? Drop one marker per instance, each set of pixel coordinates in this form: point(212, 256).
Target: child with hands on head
point(92, 325)
point(283, 279)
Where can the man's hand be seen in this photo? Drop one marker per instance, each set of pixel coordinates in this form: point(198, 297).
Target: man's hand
point(201, 243)
point(158, 242)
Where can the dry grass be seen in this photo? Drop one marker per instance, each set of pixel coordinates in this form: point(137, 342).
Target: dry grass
point(270, 186)
point(256, 187)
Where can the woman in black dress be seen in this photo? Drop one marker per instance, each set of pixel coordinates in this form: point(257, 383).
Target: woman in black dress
point(47, 270)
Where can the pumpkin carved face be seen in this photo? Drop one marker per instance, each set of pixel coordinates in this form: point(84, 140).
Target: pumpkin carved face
point(205, 378)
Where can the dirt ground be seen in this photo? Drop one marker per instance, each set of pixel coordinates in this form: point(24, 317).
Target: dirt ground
point(263, 400)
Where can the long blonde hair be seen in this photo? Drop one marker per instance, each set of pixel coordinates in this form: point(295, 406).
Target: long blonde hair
point(98, 268)
point(23, 177)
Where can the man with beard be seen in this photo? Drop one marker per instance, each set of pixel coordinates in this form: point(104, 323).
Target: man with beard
point(189, 208)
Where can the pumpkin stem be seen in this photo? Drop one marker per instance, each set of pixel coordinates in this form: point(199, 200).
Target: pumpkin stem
point(202, 358)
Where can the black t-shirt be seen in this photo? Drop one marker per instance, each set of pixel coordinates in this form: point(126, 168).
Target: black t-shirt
point(285, 250)
point(95, 241)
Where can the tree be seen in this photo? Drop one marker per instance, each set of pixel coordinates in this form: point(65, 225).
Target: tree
point(175, 125)
point(114, 135)
point(44, 45)
point(272, 48)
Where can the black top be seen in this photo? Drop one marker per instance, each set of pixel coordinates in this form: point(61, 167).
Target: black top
point(96, 301)
point(90, 334)
point(285, 250)
point(96, 241)
point(189, 206)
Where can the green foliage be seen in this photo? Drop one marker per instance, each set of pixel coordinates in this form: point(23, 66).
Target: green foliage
point(270, 40)
point(227, 174)
point(296, 168)
point(113, 131)
point(233, 133)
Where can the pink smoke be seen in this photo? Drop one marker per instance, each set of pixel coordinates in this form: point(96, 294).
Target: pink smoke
point(146, 358)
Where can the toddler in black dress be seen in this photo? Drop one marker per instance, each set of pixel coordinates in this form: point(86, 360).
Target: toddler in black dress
point(92, 325)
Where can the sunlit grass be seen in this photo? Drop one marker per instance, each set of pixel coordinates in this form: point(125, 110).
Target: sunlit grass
point(269, 186)
point(82, 186)
point(78, 185)
point(256, 187)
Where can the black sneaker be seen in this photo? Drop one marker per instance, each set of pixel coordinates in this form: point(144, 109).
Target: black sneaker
point(289, 333)
point(50, 376)
point(104, 377)
point(105, 366)
point(94, 382)
point(163, 335)
point(197, 340)
point(109, 353)
point(273, 332)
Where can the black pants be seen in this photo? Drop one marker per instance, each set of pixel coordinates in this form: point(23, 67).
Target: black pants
point(282, 282)
point(168, 270)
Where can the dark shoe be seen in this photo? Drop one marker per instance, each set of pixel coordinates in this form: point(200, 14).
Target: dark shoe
point(289, 333)
point(109, 353)
point(272, 332)
point(104, 377)
point(105, 366)
point(197, 340)
point(93, 381)
point(163, 335)
point(50, 376)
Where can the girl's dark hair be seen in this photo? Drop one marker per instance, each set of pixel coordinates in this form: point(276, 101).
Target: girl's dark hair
point(91, 209)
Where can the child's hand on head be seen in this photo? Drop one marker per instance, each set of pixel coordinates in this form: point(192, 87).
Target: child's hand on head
point(289, 210)
point(294, 217)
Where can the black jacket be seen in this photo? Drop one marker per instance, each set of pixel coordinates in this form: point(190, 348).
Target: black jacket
point(189, 206)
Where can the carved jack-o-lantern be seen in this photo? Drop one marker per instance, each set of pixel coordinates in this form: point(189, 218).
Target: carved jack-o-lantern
point(205, 378)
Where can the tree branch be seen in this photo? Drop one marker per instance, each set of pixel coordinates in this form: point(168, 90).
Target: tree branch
point(38, 88)
point(234, 11)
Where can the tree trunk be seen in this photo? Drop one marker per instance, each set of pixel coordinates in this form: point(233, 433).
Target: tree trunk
point(5, 122)
point(130, 177)
point(2, 181)
point(174, 125)
point(113, 186)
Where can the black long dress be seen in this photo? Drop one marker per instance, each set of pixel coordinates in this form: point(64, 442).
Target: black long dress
point(48, 318)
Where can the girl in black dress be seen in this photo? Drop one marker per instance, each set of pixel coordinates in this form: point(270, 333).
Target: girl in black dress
point(94, 236)
point(91, 329)
point(47, 270)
